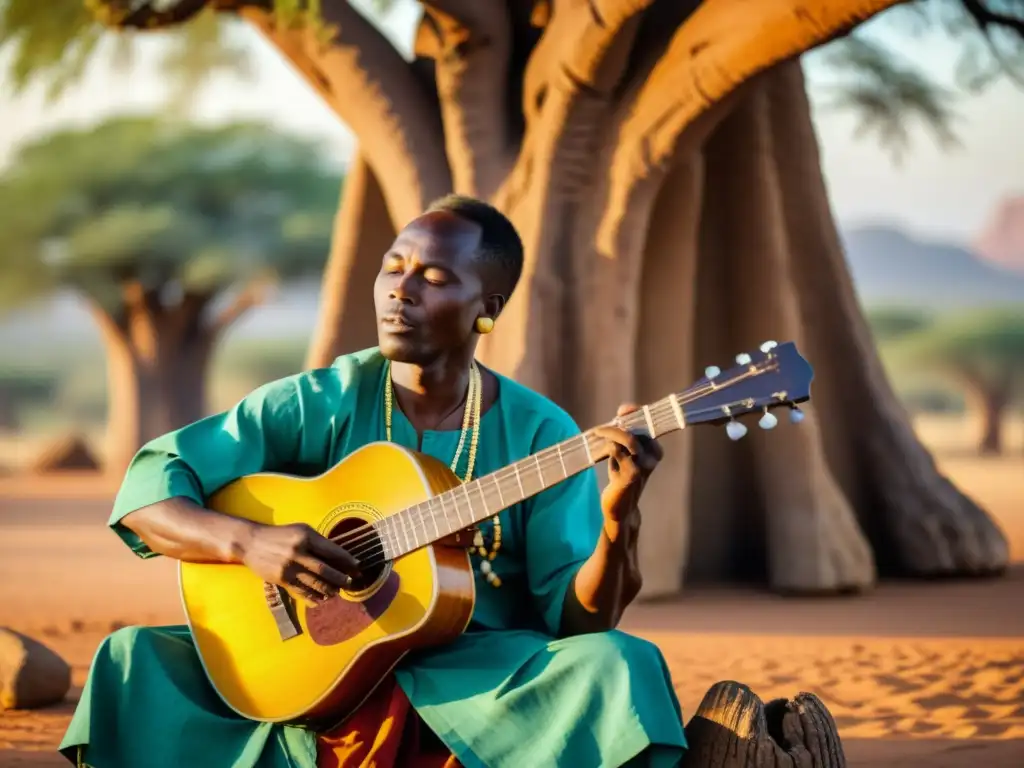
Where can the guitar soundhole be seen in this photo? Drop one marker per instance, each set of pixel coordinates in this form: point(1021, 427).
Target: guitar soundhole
point(361, 540)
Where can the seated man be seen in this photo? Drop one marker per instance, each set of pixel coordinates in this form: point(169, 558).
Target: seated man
point(540, 678)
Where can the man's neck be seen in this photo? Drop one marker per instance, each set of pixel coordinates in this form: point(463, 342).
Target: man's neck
point(428, 394)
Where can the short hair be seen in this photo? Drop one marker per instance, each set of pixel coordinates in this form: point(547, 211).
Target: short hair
point(500, 245)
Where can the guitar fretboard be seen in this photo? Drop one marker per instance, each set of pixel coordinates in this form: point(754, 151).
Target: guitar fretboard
point(472, 502)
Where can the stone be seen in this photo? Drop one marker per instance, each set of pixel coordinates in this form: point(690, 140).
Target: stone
point(31, 675)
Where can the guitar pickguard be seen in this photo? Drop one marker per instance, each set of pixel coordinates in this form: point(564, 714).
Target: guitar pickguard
point(337, 620)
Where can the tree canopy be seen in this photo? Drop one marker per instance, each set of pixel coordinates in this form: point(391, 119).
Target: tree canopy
point(175, 208)
point(884, 88)
point(985, 346)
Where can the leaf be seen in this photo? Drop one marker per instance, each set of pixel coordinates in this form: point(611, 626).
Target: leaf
point(163, 202)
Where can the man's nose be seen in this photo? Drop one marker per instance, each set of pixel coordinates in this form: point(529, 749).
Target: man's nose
point(404, 290)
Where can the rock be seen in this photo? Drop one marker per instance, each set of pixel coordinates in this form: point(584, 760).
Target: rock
point(732, 728)
point(31, 675)
point(70, 452)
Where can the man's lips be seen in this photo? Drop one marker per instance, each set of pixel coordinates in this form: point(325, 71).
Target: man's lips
point(398, 322)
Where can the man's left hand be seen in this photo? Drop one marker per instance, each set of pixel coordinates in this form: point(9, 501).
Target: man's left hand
point(631, 460)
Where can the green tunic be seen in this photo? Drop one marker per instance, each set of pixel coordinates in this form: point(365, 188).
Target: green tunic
point(506, 693)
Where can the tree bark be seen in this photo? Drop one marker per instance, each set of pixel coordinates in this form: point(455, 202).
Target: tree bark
point(158, 358)
point(362, 234)
point(665, 182)
point(991, 405)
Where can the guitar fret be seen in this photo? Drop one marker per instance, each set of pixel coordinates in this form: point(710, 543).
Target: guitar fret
point(469, 502)
point(586, 446)
point(430, 511)
point(650, 423)
point(561, 460)
point(405, 530)
point(519, 480)
point(483, 499)
point(677, 410)
point(497, 484)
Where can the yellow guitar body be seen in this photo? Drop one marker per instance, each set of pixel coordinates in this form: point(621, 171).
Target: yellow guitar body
point(340, 651)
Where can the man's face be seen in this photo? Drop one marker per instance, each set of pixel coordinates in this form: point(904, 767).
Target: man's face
point(429, 291)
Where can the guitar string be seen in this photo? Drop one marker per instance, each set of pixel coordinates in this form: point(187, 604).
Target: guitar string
point(660, 409)
point(542, 460)
point(375, 548)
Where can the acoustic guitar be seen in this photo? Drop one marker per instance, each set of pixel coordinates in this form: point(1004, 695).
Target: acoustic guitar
point(271, 658)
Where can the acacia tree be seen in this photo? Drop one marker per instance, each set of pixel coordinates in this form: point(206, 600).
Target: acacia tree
point(170, 233)
point(984, 352)
point(660, 163)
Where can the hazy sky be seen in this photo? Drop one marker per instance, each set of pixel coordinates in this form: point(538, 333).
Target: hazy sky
point(934, 194)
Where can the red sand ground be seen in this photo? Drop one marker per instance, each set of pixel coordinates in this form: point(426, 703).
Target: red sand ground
point(916, 674)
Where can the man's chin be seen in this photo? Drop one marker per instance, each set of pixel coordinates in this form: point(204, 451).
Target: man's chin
point(401, 349)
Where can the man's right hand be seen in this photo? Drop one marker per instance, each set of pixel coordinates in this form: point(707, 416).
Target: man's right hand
point(299, 559)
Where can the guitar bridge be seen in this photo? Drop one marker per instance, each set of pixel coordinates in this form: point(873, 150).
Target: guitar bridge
point(282, 608)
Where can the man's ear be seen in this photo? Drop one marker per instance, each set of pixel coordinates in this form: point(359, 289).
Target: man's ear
point(493, 305)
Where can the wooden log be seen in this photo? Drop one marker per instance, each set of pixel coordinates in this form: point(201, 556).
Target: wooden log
point(733, 728)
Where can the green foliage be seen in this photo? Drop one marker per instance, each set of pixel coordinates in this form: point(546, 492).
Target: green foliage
point(983, 347)
point(888, 92)
point(53, 42)
point(173, 206)
point(891, 323)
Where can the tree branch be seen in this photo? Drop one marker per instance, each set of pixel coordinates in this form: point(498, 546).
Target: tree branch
point(723, 44)
point(374, 90)
point(126, 14)
point(986, 18)
point(472, 46)
point(252, 295)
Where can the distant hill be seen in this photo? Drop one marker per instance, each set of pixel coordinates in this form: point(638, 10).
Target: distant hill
point(890, 266)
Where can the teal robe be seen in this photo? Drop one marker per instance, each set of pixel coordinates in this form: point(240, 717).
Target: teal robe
point(508, 692)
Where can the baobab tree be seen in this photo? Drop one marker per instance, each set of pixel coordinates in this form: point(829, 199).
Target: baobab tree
point(982, 351)
point(169, 240)
point(660, 163)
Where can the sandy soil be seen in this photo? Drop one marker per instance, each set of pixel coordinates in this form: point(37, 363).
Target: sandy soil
point(916, 674)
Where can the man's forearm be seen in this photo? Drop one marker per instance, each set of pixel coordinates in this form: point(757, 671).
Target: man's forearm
point(182, 529)
point(604, 585)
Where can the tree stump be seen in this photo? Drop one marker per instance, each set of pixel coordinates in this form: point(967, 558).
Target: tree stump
point(732, 728)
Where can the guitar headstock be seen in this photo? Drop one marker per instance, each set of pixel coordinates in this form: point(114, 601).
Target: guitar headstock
point(774, 376)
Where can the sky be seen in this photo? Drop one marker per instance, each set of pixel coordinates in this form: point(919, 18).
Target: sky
point(934, 194)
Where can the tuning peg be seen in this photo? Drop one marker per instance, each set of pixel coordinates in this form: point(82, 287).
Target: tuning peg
point(795, 414)
point(768, 421)
point(768, 346)
point(711, 371)
point(743, 358)
point(735, 430)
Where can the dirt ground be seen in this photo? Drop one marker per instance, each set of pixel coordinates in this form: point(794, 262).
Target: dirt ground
point(916, 674)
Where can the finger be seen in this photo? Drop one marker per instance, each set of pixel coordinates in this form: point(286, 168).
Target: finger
point(651, 452)
point(625, 462)
point(304, 594)
point(619, 437)
point(332, 577)
point(626, 408)
point(332, 554)
point(320, 588)
point(651, 447)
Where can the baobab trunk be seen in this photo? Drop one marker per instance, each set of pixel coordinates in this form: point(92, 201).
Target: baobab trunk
point(991, 406)
point(363, 232)
point(660, 164)
point(158, 358)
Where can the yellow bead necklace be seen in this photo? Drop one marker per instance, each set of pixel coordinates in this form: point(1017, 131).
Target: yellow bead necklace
point(470, 426)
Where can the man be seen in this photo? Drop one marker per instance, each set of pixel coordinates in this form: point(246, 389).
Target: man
point(540, 678)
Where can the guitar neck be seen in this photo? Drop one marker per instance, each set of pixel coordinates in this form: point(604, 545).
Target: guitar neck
point(475, 501)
